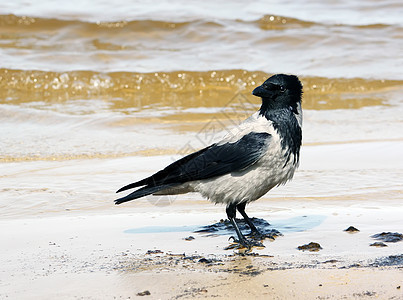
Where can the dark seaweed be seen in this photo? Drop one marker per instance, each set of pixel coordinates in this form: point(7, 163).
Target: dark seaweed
point(388, 237)
point(225, 227)
point(392, 260)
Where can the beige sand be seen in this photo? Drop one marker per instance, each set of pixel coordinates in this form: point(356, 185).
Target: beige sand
point(236, 279)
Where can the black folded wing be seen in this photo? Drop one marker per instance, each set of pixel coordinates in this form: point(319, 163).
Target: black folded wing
point(212, 161)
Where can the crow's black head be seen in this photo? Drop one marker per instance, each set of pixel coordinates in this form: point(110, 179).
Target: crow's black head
point(280, 91)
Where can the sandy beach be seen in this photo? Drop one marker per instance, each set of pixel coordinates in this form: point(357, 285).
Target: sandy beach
point(119, 256)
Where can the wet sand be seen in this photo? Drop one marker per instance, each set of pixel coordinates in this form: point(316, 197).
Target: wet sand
point(118, 256)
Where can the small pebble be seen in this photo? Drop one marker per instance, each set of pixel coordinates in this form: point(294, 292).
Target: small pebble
point(378, 244)
point(351, 229)
point(189, 238)
point(330, 261)
point(312, 246)
point(205, 260)
point(154, 252)
point(145, 293)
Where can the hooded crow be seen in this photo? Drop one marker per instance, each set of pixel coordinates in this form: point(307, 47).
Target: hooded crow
point(259, 154)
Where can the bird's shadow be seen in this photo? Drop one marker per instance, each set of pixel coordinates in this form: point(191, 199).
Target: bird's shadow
point(224, 227)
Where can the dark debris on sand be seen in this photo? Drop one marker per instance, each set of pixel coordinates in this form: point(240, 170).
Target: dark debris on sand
point(145, 293)
point(351, 229)
point(388, 237)
point(378, 244)
point(391, 260)
point(192, 293)
point(312, 246)
point(154, 252)
point(225, 227)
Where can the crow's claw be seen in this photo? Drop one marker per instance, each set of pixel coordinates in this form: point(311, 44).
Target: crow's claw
point(243, 246)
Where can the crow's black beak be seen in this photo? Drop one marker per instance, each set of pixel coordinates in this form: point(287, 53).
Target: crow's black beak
point(260, 92)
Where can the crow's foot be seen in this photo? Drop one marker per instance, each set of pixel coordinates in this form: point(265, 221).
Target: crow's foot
point(244, 245)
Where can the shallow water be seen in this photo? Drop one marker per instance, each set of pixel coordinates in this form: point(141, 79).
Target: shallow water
point(95, 96)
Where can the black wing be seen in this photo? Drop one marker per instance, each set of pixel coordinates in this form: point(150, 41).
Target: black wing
point(215, 160)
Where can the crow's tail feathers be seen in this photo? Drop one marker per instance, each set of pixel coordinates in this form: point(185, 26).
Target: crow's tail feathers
point(134, 184)
point(144, 191)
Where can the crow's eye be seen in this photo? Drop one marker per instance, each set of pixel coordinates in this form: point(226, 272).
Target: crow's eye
point(282, 88)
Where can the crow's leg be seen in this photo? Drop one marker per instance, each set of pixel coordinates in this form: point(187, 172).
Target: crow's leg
point(231, 213)
point(254, 233)
point(241, 209)
point(242, 241)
